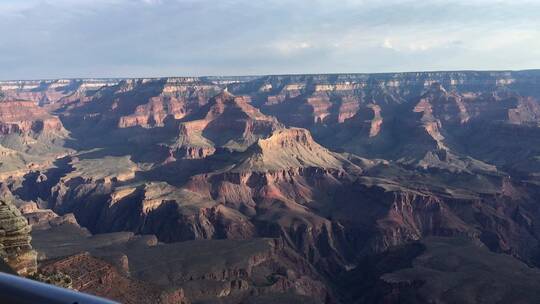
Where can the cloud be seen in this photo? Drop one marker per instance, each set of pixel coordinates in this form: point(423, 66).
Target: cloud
point(387, 44)
point(419, 44)
point(152, 2)
point(290, 47)
point(93, 38)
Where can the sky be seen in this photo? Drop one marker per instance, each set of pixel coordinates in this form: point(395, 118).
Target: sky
point(152, 38)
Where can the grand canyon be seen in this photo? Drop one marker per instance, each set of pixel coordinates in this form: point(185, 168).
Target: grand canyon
point(416, 187)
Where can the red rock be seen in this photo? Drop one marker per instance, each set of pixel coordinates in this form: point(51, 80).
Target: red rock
point(24, 117)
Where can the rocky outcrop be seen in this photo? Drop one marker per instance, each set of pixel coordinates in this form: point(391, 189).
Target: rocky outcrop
point(179, 215)
point(320, 104)
point(228, 122)
point(15, 247)
point(527, 112)
point(412, 216)
point(25, 117)
point(154, 208)
point(190, 144)
point(287, 148)
point(154, 113)
point(37, 216)
point(96, 276)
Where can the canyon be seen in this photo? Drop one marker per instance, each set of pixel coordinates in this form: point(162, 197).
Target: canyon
point(331, 188)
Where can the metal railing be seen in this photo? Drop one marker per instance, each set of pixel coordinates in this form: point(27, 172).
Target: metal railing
point(18, 290)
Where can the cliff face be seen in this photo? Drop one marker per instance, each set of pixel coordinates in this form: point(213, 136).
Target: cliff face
point(154, 113)
point(25, 118)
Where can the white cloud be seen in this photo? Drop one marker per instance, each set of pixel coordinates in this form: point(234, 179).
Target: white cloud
point(57, 38)
point(387, 44)
point(152, 2)
point(288, 47)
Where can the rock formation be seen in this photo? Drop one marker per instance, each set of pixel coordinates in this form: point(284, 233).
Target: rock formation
point(307, 178)
point(15, 247)
point(96, 276)
point(227, 121)
point(30, 138)
point(24, 117)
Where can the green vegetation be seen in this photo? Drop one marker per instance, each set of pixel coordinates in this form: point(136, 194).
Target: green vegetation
point(58, 279)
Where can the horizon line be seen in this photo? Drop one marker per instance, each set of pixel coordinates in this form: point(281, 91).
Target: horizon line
point(279, 74)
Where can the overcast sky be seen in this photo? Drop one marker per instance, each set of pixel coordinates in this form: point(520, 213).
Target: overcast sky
point(138, 38)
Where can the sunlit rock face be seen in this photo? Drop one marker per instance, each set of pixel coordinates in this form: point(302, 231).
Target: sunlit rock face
point(227, 121)
point(25, 117)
